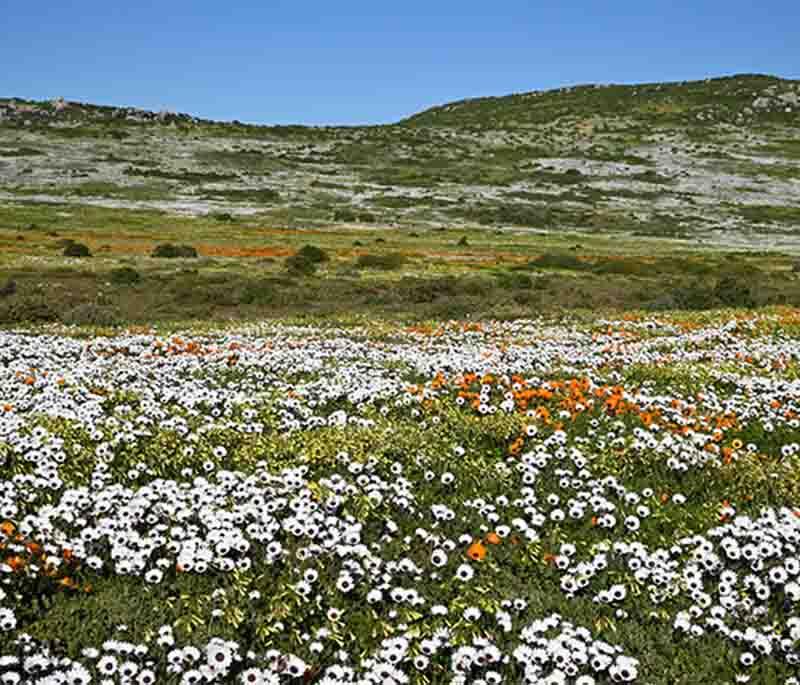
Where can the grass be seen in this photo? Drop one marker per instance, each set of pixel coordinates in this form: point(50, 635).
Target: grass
point(406, 275)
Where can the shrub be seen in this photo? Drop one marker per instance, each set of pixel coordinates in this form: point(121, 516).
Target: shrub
point(170, 251)
point(29, 309)
point(73, 249)
point(258, 292)
point(344, 214)
point(8, 288)
point(313, 254)
point(298, 265)
point(385, 262)
point(221, 216)
point(125, 275)
point(732, 291)
point(796, 266)
point(89, 314)
point(514, 281)
point(463, 242)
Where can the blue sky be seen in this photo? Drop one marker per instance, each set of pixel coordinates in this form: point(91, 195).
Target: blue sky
point(348, 61)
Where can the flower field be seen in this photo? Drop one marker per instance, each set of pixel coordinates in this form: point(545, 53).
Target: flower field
point(520, 502)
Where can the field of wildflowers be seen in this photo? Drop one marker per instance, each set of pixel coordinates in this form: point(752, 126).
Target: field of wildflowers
point(534, 501)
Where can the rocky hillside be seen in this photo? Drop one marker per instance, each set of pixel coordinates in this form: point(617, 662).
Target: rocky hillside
point(737, 100)
point(715, 161)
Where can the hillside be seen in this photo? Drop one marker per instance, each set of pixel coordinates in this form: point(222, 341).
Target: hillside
point(714, 161)
point(734, 100)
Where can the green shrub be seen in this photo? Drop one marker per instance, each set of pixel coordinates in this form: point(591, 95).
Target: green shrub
point(8, 288)
point(732, 291)
point(313, 254)
point(170, 251)
point(463, 242)
point(624, 267)
point(258, 292)
point(74, 249)
point(89, 314)
point(27, 310)
point(514, 281)
point(559, 261)
point(221, 216)
point(125, 275)
point(299, 265)
point(384, 262)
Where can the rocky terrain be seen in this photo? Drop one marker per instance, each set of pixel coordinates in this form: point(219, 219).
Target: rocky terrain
point(715, 161)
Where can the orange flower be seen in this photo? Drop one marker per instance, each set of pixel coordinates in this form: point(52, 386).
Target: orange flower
point(16, 563)
point(476, 551)
point(493, 538)
point(7, 528)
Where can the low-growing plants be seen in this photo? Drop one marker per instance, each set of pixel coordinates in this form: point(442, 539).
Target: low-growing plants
point(124, 275)
point(170, 251)
point(593, 500)
point(300, 265)
point(389, 261)
point(73, 249)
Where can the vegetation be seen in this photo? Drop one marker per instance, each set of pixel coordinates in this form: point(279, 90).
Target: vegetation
point(537, 423)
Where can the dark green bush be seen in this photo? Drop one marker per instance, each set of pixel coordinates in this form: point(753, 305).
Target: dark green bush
point(344, 214)
point(8, 288)
point(258, 292)
point(170, 251)
point(733, 291)
point(125, 275)
point(313, 254)
point(559, 261)
point(74, 249)
point(298, 265)
point(221, 216)
point(385, 262)
point(624, 267)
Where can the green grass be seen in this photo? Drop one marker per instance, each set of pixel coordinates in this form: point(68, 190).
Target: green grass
point(398, 274)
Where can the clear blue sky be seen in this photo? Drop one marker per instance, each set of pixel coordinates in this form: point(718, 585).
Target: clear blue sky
point(373, 61)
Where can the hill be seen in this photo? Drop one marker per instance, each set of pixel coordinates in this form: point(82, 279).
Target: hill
point(714, 160)
point(733, 99)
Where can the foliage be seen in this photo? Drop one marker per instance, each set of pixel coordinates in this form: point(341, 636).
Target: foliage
point(170, 251)
point(388, 261)
point(73, 249)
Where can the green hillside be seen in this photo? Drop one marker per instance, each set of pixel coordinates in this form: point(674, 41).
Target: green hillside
point(734, 99)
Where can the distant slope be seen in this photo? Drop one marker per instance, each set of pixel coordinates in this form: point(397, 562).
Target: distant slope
point(715, 160)
point(732, 99)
